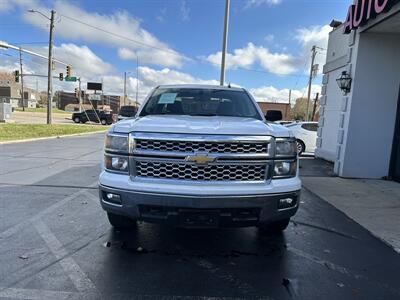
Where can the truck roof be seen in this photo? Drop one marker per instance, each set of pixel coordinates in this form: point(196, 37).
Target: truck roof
point(200, 86)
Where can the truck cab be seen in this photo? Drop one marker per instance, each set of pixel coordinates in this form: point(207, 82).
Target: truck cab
point(200, 156)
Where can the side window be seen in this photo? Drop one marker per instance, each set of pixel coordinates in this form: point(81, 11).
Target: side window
point(310, 126)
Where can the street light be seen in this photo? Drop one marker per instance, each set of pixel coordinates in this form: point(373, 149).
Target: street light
point(137, 82)
point(50, 61)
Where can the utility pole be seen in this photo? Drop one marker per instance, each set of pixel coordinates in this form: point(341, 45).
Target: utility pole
point(79, 94)
point(137, 79)
point(22, 79)
point(315, 107)
point(37, 90)
point(124, 88)
point(224, 42)
point(49, 71)
point(314, 53)
point(290, 105)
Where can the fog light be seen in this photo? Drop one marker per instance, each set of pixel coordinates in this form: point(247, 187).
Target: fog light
point(113, 198)
point(286, 203)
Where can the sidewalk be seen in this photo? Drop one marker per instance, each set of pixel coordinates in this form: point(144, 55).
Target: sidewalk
point(374, 204)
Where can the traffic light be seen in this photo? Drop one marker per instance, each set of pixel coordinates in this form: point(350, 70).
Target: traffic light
point(16, 74)
point(68, 71)
point(83, 94)
point(61, 76)
point(76, 93)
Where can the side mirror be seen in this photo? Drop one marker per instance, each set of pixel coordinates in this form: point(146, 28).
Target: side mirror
point(273, 115)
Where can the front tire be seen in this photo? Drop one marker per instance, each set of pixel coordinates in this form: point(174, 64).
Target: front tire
point(274, 227)
point(103, 122)
point(301, 147)
point(120, 222)
point(77, 120)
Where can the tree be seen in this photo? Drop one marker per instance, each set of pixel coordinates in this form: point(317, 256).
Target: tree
point(299, 111)
point(42, 99)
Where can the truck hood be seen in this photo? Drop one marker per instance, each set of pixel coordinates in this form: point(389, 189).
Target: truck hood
point(201, 125)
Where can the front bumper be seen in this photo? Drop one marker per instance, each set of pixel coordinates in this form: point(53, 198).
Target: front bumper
point(199, 211)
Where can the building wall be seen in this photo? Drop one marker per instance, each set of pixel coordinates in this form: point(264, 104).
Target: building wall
point(283, 107)
point(356, 130)
point(13, 89)
point(373, 107)
point(331, 115)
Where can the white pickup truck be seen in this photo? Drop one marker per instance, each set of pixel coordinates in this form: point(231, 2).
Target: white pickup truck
point(200, 156)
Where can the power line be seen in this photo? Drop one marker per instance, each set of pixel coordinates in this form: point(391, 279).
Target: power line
point(170, 51)
point(123, 37)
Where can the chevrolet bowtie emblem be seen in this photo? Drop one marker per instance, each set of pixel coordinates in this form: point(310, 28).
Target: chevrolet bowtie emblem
point(200, 159)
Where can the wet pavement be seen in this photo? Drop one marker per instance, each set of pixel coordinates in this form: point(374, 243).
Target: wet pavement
point(56, 243)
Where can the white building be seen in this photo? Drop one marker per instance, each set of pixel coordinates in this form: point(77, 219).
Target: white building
point(360, 131)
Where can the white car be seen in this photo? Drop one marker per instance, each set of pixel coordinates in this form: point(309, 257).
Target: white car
point(306, 136)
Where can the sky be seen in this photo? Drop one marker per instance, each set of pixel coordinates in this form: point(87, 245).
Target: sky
point(175, 41)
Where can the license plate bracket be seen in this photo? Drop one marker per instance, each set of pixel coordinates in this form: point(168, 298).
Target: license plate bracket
point(199, 218)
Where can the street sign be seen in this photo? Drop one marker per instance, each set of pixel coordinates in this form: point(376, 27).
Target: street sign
point(94, 97)
point(73, 79)
point(94, 86)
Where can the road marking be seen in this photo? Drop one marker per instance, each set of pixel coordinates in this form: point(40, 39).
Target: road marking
point(14, 229)
point(81, 281)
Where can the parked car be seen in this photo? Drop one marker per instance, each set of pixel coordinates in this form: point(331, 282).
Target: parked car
point(105, 118)
point(200, 156)
point(127, 112)
point(306, 136)
point(285, 123)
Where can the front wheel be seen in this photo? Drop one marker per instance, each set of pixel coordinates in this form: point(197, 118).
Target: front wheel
point(77, 120)
point(274, 227)
point(301, 147)
point(120, 222)
point(103, 122)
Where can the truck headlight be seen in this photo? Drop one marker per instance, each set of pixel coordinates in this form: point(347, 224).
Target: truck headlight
point(285, 148)
point(284, 169)
point(117, 143)
point(116, 148)
point(116, 163)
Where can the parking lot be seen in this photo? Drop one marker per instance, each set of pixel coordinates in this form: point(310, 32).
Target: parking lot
point(56, 242)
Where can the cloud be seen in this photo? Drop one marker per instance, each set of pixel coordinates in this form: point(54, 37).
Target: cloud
point(152, 77)
point(161, 14)
point(272, 94)
point(251, 3)
point(5, 6)
point(154, 57)
point(315, 35)
point(185, 11)
point(269, 38)
point(127, 30)
point(276, 63)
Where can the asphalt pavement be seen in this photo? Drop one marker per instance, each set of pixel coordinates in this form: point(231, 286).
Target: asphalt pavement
point(56, 243)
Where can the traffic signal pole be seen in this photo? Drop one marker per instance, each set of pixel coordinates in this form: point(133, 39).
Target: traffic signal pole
point(49, 71)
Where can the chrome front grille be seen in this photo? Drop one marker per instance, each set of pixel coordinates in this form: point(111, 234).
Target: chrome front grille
point(214, 172)
point(193, 146)
point(208, 158)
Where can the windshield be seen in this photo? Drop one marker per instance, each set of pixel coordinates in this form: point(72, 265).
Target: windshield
point(200, 102)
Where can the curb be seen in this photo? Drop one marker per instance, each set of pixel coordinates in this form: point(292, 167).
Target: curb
point(50, 137)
